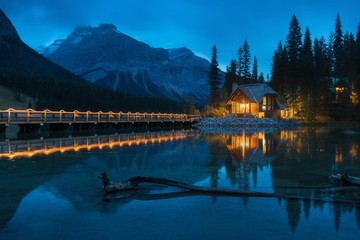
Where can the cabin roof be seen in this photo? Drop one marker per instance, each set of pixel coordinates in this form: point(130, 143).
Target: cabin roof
point(254, 92)
point(281, 106)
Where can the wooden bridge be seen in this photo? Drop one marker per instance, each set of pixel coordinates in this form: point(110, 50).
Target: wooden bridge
point(12, 149)
point(30, 120)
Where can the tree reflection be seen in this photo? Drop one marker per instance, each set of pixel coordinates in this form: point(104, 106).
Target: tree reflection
point(287, 162)
point(300, 161)
point(293, 208)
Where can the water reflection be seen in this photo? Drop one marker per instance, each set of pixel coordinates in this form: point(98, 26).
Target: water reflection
point(71, 164)
point(29, 148)
point(300, 160)
point(288, 162)
point(253, 148)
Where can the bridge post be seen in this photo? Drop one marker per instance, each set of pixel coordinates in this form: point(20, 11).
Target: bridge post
point(29, 128)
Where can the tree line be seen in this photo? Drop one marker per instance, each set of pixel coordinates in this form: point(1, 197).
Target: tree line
point(318, 78)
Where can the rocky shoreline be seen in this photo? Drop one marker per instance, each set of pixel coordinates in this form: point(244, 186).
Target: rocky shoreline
point(236, 124)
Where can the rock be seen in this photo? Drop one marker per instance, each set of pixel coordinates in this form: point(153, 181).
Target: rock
point(237, 124)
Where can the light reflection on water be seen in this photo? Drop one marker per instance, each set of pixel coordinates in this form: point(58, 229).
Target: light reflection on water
point(58, 196)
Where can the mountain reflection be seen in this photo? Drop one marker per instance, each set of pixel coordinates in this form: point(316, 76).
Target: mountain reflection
point(287, 162)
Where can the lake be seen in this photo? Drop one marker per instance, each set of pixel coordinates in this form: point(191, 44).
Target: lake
point(50, 190)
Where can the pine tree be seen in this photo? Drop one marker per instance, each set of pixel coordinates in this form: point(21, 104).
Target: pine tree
point(340, 76)
point(230, 77)
point(279, 70)
point(338, 48)
point(246, 60)
point(308, 89)
point(350, 57)
point(284, 70)
point(293, 47)
point(240, 65)
point(261, 78)
point(275, 81)
point(322, 75)
point(214, 79)
point(358, 51)
point(357, 64)
point(254, 74)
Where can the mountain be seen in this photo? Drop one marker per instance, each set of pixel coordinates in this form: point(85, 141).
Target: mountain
point(27, 73)
point(111, 59)
point(7, 30)
point(17, 57)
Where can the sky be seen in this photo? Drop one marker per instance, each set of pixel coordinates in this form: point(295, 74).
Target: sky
point(195, 24)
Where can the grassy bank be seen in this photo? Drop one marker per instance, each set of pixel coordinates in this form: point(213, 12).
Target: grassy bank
point(9, 99)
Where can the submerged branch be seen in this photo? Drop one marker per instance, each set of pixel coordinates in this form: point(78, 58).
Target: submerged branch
point(132, 184)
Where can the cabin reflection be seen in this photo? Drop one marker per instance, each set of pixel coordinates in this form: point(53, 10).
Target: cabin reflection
point(253, 148)
point(350, 153)
point(354, 150)
point(300, 161)
point(339, 156)
point(297, 158)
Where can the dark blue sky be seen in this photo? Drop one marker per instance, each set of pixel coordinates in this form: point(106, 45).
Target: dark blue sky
point(196, 24)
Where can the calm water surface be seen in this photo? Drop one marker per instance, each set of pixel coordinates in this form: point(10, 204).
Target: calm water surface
point(49, 186)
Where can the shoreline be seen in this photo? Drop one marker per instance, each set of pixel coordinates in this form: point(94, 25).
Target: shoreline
point(236, 124)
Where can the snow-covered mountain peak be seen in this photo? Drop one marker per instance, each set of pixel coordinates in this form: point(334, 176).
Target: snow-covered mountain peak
point(175, 53)
point(77, 35)
point(51, 48)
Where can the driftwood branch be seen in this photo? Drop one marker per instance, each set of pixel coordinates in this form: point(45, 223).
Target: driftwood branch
point(135, 181)
point(132, 184)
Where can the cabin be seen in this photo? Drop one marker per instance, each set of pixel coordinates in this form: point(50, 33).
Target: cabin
point(254, 100)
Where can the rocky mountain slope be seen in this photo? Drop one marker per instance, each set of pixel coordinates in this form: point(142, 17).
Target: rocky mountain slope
point(109, 58)
point(27, 73)
point(6, 28)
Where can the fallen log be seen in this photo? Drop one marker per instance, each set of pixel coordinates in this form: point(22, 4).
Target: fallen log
point(132, 183)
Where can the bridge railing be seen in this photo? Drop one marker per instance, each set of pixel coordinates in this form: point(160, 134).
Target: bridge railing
point(12, 116)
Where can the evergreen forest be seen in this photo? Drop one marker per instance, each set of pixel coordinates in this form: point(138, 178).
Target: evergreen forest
point(316, 79)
